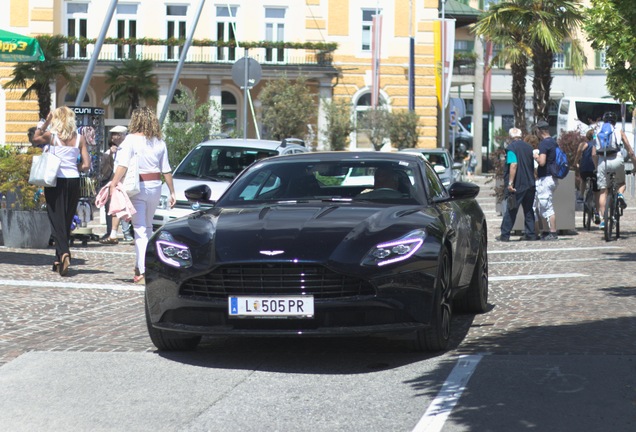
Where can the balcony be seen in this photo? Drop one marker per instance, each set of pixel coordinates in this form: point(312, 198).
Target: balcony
point(204, 51)
point(464, 66)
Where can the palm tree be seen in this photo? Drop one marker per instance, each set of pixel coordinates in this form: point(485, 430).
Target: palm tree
point(37, 77)
point(552, 23)
point(503, 26)
point(535, 29)
point(130, 82)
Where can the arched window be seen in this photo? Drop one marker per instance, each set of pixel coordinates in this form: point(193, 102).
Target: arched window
point(229, 112)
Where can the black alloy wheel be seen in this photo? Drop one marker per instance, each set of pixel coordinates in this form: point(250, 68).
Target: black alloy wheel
point(170, 341)
point(475, 299)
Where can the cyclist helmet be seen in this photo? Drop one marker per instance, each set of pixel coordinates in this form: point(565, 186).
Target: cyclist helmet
point(610, 117)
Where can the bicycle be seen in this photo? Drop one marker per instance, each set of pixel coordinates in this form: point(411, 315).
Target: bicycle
point(589, 204)
point(613, 210)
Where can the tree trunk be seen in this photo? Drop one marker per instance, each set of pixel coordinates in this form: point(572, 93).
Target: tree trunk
point(44, 100)
point(519, 72)
point(542, 65)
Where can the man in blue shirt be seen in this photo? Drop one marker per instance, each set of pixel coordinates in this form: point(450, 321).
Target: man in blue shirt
point(546, 184)
point(519, 186)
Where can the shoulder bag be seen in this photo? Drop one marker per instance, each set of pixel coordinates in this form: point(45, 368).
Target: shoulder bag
point(44, 169)
point(131, 180)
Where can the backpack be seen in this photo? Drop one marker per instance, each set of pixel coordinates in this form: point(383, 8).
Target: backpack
point(606, 140)
point(560, 167)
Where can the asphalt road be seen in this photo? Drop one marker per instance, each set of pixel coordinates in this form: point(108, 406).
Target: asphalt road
point(556, 352)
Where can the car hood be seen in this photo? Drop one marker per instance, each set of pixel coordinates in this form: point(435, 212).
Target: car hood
point(180, 186)
point(297, 232)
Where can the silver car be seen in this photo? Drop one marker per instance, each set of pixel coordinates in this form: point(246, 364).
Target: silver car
point(216, 163)
point(442, 163)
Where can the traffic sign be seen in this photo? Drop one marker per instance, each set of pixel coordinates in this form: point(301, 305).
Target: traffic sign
point(254, 72)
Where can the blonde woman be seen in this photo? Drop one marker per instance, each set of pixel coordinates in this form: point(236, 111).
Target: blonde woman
point(59, 132)
point(144, 140)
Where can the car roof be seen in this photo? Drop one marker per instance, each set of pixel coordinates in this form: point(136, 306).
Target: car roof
point(246, 143)
point(359, 155)
point(424, 150)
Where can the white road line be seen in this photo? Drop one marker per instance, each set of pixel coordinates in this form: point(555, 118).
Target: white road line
point(438, 411)
point(71, 285)
point(490, 252)
point(537, 276)
point(560, 260)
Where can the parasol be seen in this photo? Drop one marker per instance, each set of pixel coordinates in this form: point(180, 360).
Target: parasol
point(18, 48)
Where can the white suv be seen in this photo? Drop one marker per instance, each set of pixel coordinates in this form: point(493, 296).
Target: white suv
point(216, 163)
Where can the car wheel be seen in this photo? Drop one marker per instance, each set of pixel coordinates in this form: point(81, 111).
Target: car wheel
point(169, 341)
point(436, 336)
point(475, 299)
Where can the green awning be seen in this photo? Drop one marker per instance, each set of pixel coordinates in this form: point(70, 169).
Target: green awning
point(456, 8)
point(15, 48)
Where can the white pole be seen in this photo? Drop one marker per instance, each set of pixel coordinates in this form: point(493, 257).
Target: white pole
point(443, 47)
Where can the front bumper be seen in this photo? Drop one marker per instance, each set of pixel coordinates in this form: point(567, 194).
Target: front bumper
point(398, 304)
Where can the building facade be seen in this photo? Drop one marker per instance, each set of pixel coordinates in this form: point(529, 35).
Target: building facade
point(345, 73)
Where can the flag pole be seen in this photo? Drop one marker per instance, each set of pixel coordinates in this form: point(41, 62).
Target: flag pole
point(443, 72)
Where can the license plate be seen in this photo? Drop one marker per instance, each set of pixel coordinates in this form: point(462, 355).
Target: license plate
point(276, 306)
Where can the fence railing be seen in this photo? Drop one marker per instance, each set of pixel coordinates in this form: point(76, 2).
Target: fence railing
point(274, 53)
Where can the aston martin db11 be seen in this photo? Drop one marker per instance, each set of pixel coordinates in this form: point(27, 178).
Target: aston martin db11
point(321, 244)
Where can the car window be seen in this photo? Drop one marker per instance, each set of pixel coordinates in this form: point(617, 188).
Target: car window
point(435, 187)
point(220, 163)
point(437, 159)
point(327, 180)
point(259, 186)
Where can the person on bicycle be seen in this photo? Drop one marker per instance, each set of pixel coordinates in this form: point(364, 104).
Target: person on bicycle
point(584, 162)
point(611, 160)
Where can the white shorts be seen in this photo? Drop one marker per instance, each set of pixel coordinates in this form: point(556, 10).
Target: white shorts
point(616, 164)
point(545, 190)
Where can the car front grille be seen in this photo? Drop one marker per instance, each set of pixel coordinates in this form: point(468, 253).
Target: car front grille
point(278, 279)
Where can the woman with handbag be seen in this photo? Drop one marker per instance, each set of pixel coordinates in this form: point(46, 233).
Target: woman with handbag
point(59, 131)
point(143, 151)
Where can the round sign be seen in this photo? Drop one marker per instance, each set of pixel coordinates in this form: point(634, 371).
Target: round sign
point(254, 72)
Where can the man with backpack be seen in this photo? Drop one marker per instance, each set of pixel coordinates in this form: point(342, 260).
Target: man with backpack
point(610, 159)
point(520, 190)
point(546, 182)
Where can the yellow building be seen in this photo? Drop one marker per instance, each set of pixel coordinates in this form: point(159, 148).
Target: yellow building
point(346, 73)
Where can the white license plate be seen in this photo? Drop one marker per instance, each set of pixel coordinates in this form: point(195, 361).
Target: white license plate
point(275, 306)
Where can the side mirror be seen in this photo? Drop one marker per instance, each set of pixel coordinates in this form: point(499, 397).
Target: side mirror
point(439, 169)
point(460, 190)
point(458, 165)
point(199, 193)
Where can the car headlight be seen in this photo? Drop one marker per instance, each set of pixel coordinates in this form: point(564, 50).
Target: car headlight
point(163, 202)
point(397, 250)
point(172, 253)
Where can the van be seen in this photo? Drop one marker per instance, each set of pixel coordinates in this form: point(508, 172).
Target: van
point(580, 113)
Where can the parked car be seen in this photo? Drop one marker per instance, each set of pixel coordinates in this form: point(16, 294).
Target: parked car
point(449, 172)
point(288, 250)
point(216, 163)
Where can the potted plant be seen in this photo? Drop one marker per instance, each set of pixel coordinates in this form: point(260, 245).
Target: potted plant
point(23, 217)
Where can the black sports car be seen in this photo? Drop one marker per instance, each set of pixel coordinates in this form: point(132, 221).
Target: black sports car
point(321, 244)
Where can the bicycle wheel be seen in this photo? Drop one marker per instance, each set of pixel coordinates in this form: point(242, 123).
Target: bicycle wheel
point(587, 218)
point(609, 215)
point(617, 216)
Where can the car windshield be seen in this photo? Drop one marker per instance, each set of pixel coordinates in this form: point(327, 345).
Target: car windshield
point(298, 181)
point(219, 163)
point(437, 159)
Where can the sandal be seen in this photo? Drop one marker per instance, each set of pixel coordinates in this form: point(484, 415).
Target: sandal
point(55, 266)
point(139, 279)
point(109, 240)
point(65, 263)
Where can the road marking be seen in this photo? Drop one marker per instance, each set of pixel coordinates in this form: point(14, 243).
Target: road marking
point(552, 250)
point(438, 411)
point(561, 260)
point(538, 276)
point(71, 285)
